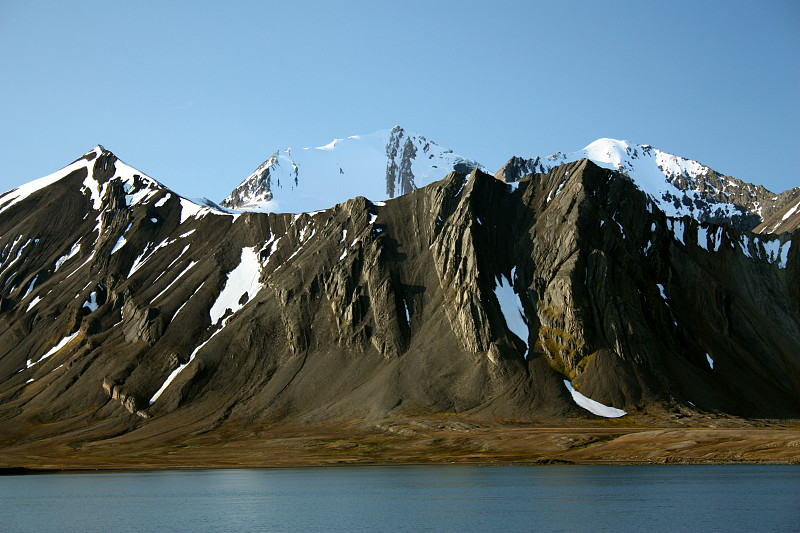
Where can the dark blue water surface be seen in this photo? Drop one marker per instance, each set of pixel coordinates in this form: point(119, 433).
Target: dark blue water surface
point(410, 498)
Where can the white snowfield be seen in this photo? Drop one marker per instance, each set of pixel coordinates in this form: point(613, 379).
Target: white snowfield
point(592, 406)
point(314, 179)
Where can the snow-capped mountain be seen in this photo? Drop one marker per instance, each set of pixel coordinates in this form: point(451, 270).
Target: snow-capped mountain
point(382, 165)
point(680, 187)
point(100, 183)
point(131, 316)
point(137, 185)
point(103, 193)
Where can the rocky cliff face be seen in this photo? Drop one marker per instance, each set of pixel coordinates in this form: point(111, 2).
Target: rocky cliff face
point(785, 218)
point(131, 310)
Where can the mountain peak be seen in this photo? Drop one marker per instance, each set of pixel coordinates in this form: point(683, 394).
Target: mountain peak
point(380, 165)
point(607, 148)
point(679, 186)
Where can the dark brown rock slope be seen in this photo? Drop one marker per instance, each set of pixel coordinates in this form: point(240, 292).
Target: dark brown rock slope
point(364, 311)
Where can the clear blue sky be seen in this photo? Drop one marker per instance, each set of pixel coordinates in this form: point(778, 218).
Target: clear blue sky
point(197, 94)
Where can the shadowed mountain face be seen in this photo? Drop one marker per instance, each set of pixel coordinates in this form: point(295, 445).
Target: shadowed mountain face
point(131, 310)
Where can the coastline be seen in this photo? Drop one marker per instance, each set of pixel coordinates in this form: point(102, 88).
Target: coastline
point(25, 471)
point(407, 444)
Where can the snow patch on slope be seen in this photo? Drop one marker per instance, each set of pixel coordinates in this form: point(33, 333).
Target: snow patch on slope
point(119, 244)
point(592, 406)
point(163, 200)
point(53, 350)
point(790, 212)
point(31, 305)
point(179, 369)
point(241, 281)
point(91, 303)
point(179, 276)
point(6, 266)
point(511, 308)
point(96, 195)
point(200, 207)
point(64, 258)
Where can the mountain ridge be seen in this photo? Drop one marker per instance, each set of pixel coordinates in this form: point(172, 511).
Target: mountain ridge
point(129, 312)
point(679, 185)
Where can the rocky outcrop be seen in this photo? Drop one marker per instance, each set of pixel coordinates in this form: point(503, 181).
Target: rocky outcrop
point(142, 324)
point(257, 187)
point(129, 402)
point(785, 217)
point(517, 168)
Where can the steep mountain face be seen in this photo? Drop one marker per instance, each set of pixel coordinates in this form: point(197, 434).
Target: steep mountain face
point(679, 186)
point(379, 166)
point(782, 220)
point(134, 312)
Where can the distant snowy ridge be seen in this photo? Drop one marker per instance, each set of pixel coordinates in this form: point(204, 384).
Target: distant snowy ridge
point(679, 186)
point(390, 163)
point(379, 166)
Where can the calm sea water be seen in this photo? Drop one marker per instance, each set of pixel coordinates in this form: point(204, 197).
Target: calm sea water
point(415, 498)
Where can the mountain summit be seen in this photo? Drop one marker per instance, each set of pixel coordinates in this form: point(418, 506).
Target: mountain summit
point(679, 186)
point(379, 166)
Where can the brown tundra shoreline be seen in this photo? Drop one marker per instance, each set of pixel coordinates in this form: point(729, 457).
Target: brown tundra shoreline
point(423, 440)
